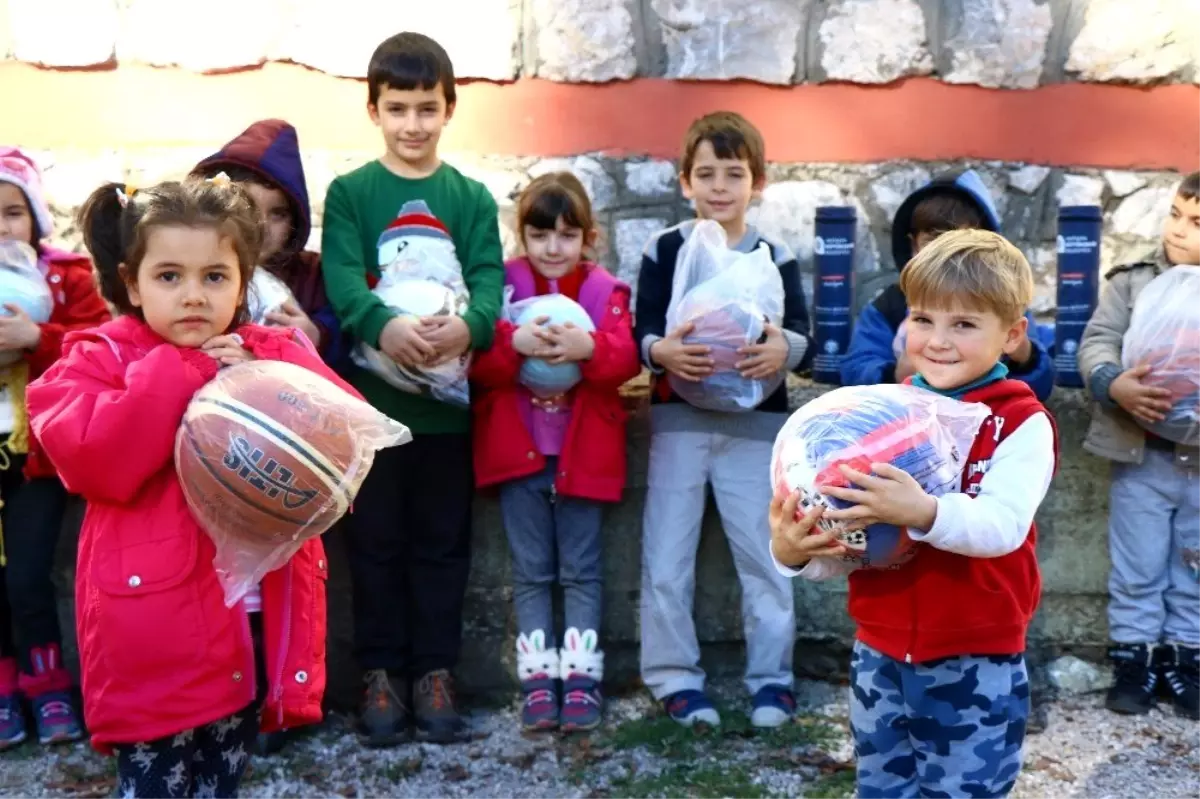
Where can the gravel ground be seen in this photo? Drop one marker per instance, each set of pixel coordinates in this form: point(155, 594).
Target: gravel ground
point(1087, 752)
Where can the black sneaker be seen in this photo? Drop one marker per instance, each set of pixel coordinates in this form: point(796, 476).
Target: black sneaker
point(384, 718)
point(438, 719)
point(1179, 669)
point(1135, 676)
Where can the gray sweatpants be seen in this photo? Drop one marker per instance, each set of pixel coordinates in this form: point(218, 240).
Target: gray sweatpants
point(1154, 543)
point(681, 465)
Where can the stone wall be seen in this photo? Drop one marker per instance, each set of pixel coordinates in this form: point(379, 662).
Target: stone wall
point(635, 197)
point(998, 43)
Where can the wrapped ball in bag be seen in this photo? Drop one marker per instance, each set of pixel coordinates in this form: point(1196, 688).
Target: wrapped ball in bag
point(542, 378)
point(266, 294)
point(728, 297)
point(1164, 333)
point(423, 279)
point(22, 285)
point(269, 455)
point(924, 434)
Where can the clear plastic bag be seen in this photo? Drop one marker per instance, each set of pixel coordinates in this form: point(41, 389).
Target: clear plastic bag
point(729, 297)
point(424, 279)
point(1164, 332)
point(542, 378)
point(22, 284)
point(270, 455)
point(266, 294)
point(925, 434)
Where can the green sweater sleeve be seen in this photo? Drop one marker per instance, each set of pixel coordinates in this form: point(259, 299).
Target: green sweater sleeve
point(483, 271)
point(358, 309)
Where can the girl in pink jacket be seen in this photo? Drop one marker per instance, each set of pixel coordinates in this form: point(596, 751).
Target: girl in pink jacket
point(173, 681)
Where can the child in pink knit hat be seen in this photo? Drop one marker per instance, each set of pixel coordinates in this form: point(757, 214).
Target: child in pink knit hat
point(33, 500)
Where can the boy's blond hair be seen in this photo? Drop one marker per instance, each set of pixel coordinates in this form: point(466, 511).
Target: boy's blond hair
point(978, 269)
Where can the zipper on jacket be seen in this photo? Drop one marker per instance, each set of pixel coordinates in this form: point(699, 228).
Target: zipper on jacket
point(248, 640)
point(287, 636)
point(553, 493)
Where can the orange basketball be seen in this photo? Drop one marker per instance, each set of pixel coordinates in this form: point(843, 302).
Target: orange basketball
point(267, 453)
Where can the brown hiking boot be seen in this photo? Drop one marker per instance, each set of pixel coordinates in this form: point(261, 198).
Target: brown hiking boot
point(438, 719)
point(384, 719)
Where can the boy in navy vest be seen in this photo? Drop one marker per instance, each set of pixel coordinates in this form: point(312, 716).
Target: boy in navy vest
point(940, 692)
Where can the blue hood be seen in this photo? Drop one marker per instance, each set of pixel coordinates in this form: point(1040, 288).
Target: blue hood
point(963, 183)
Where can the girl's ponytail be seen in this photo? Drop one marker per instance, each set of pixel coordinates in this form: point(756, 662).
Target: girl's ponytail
point(100, 219)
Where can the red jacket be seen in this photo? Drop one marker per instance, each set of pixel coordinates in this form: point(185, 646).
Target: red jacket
point(592, 463)
point(161, 653)
point(77, 306)
point(940, 604)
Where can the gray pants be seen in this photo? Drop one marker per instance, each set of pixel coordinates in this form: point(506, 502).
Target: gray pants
point(1154, 543)
point(552, 538)
point(681, 464)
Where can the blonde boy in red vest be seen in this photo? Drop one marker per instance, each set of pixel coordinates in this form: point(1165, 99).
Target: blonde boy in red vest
point(939, 690)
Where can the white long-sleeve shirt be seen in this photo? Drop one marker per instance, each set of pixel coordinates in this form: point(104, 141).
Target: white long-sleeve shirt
point(990, 524)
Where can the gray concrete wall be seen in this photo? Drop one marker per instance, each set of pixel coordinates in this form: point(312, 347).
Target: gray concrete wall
point(1072, 551)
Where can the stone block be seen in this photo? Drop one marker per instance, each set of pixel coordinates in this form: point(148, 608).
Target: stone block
point(63, 33)
point(599, 184)
point(874, 41)
point(1123, 183)
point(890, 190)
point(1142, 213)
point(341, 43)
point(724, 40)
point(998, 43)
point(651, 180)
point(788, 211)
point(1136, 42)
point(1028, 179)
point(1080, 190)
point(584, 40)
point(198, 36)
point(630, 238)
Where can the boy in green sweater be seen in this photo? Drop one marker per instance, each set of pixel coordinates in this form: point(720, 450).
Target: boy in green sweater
point(408, 537)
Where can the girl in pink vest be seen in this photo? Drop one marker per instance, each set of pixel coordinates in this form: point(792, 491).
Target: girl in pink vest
point(556, 454)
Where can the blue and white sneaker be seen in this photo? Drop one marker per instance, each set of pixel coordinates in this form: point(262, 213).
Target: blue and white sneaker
point(56, 718)
point(12, 722)
point(690, 708)
point(774, 706)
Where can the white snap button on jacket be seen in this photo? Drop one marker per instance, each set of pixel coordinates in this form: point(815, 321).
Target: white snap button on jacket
point(302, 676)
point(135, 581)
point(237, 676)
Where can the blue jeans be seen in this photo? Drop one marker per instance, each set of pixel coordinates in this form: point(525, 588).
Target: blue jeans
point(949, 727)
point(552, 537)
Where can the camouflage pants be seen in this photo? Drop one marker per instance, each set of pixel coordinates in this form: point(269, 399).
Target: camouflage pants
point(952, 727)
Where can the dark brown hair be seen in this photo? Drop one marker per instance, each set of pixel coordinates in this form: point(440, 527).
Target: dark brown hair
point(944, 211)
point(410, 61)
point(117, 234)
point(1189, 189)
point(731, 136)
point(554, 195)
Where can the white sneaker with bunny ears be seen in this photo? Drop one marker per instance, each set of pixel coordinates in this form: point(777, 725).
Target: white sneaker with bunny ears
point(582, 667)
point(538, 669)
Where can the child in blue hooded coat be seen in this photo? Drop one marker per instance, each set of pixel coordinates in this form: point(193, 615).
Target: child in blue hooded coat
point(951, 201)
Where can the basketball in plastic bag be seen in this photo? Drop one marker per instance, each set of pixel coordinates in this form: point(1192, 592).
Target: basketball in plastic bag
point(1164, 333)
point(22, 285)
point(266, 294)
point(925, 434)
point(540, 377)
point(269, 455)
